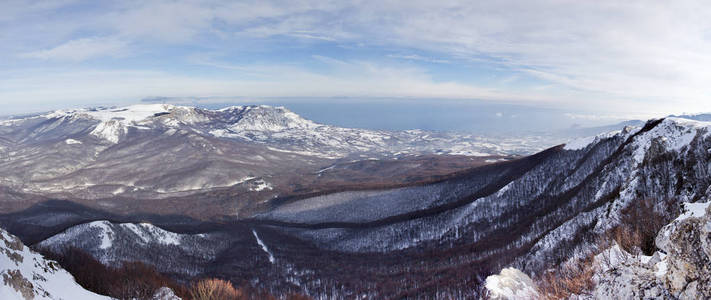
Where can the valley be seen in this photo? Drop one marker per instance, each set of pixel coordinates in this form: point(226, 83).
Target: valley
point(421, 225)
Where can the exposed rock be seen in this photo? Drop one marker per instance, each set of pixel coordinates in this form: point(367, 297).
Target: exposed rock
point(165, 293)
point(25, 274)
point(511, 284)
point(15, 280)
point(681, 269)
point(620, 275)
point(687, 242)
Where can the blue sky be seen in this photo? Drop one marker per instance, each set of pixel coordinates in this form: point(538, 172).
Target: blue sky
point(595, 59)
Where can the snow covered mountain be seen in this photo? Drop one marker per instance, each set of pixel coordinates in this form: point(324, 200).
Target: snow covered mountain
point(113, 244)
point(107, 155)
point(27, 275)
point(530, 213)
point(273, 126)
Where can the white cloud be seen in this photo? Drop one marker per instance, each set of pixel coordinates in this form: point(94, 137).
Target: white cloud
point(650, 55)
point(81, 49)
point(419, 58)
point(343, 78)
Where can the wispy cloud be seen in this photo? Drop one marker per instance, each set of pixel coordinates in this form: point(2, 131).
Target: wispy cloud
point(419, 58)
point(81, 49)
point(628, 56)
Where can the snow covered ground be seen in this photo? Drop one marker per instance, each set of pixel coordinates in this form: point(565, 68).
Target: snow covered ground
point(27, 275)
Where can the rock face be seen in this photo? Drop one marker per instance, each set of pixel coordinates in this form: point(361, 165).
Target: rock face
point(681, 269)
point(687, 243)
point(165, 293)
point(25, 274)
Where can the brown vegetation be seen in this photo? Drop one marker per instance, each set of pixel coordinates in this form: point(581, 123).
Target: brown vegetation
point(215, 289)
point(570, 279)
point(639, 224)
point(136, 280)
point(131, 280)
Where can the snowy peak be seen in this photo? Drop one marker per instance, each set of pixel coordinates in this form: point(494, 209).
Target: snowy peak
point(114, 122)
point(673, 133)
point(266, 118)
point(105, 234)
point(27, 275)
point(277, 127)
point(127, 115)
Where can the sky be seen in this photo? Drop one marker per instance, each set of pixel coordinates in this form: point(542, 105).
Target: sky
point(590, 60)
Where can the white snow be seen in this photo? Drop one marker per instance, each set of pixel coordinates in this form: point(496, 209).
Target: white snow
point(264, 247)
point(674, 133)
point(140, 233)
point(110, 131)
point(511, 284)
point(107, 234)
point(306, 153)
point(582, 143)
point(693, 210)
point(261, 185)
point(114, 121)
point(72, 142)
point(48, 280)
point(241, 180)
point(661, 268)
point(162, 236)
point(504, 189)
point(326, 169)
point(129, 114)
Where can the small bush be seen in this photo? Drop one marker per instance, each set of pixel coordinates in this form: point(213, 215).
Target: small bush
point(570, 279)
point(639, 224)
point(215, 289)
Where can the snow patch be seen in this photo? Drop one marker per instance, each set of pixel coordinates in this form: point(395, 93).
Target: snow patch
point(661, 268)
point(264, 246)
point(110, 131)
point(106, 233)
point(129, 114)
point(693, 210)
point(582, 143)
point(260, 185)
point(504, 189)
point(511, 284)
point(72, 142)
point(140, 233)
point(159, 235)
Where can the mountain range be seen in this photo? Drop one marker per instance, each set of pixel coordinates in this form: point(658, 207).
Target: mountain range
point(110, 157)
point(438, 235)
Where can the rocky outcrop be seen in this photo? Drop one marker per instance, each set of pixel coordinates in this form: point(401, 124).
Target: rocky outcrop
point(681, 269)
point(165, 293)
point(511, 284)
point(25, 274)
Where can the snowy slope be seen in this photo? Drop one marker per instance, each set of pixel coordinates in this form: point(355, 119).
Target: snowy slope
point(159, 151)
point(570, 191)
point(529, 214)
point(285, 130)
point(27, 275)
point(114, 243)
